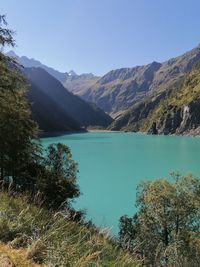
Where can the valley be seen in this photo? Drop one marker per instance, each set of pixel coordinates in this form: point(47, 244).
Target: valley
point(128, 99)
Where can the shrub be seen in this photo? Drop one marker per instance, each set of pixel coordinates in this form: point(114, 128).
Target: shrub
point(166, 230)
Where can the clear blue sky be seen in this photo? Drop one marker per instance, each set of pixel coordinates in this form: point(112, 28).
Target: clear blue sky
point(100, 35)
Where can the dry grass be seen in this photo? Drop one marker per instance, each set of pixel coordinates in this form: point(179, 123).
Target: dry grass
point(35, 234)
point(10, 257)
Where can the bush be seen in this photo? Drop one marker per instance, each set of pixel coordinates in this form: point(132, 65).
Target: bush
point(165, 231)
point(57, 181)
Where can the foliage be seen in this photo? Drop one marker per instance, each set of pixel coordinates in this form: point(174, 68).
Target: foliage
point(6, 35)
point(57, 182)
point(21, 162)
point(166, 230)
point(17, 129)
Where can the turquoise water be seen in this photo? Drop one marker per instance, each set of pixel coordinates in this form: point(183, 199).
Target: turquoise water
point(112, 164)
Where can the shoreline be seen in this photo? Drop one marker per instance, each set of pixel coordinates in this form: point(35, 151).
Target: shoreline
point(61, 133)
point(102, 131)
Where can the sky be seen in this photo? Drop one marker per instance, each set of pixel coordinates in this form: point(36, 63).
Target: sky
point(100, 35)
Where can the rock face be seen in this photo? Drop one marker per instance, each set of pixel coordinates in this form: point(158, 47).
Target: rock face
point(180, 112)
point(153, 129)
point(131, 120)
point(184, 120)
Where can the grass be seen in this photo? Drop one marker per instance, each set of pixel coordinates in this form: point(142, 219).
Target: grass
point(30, 235)
point(14, 257)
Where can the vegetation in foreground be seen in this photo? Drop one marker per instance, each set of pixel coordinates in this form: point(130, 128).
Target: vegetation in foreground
point(48, 232)
point(166, 229)
point(52, 239)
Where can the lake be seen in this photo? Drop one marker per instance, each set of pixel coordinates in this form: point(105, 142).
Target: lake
point(111, 165)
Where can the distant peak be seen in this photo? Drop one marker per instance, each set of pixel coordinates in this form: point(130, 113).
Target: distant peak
point(72, 73)
point(155, 63)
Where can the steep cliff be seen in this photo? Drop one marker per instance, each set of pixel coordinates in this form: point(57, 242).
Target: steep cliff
point(179, 112)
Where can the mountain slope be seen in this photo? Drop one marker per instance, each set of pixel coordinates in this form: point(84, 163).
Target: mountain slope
point(51, 89)
point(49, 116)
point(71, 81)
point(31, 62)
point(120, 89)
point(180, 112)
point(174, 111)
point(79, 84)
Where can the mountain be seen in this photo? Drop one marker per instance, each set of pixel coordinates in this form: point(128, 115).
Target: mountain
point(31, 62)
point(60, 106)
point(131, 95)
point(72, 81)
point(49, 116)
point(121, 89)
point(173, 111)
point(179, 113)
point(79, 84)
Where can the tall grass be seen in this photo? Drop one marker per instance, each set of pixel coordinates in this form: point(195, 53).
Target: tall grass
point(52, 239)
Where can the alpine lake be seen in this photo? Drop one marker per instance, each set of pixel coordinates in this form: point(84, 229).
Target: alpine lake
point(112, 164)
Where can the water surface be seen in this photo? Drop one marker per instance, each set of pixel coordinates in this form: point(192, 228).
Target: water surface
point(112, 164)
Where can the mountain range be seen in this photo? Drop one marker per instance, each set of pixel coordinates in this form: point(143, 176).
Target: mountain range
point(70, 80)
point(132, 96)
point(121, 89)
point(167, 81)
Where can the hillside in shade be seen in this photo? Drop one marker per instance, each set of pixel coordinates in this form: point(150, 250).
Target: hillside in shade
point(49, 116)
point(57, 109)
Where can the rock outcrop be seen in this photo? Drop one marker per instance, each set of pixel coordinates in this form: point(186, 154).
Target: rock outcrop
point(184, 120)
